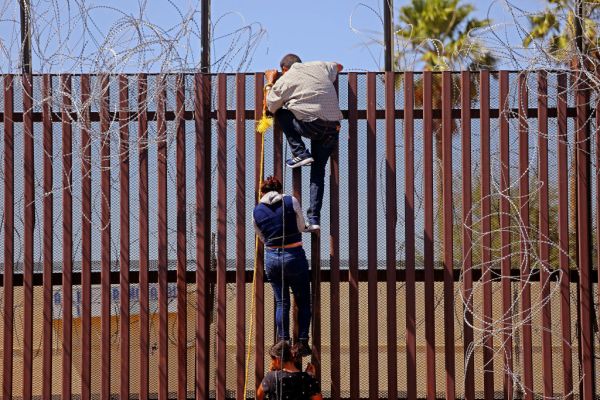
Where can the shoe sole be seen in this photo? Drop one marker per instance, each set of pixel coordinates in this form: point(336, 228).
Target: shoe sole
point(307, 161)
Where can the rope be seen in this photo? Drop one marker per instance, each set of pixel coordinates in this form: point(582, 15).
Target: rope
point(264, 123)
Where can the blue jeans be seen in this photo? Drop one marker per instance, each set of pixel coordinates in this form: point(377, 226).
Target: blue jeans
point(324, 136)
point(288, 269)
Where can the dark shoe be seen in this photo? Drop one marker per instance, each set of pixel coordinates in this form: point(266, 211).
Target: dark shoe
point(316, 228)
point(302, 159)
point(281, 349)
point(312, 225)
point(301, 349)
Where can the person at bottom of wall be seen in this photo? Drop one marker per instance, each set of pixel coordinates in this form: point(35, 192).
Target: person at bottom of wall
point(285, 381)
point(279, 223)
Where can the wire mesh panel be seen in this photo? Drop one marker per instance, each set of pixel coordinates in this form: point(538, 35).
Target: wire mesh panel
point(451, 259)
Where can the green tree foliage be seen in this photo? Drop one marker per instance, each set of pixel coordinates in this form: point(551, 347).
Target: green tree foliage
point(555, 29)
point(439, 34)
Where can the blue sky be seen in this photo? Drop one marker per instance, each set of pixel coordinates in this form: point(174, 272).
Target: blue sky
point(323, 29)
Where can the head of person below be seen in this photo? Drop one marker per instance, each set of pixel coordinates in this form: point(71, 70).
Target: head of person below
point(279, 223)
point(285, 381)
point(305, 103)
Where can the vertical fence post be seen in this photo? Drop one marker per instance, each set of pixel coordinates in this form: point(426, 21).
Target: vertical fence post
point(143, 235)
point(353, 233)
point(315, 269)
point(544, 233)
point(372, 236)
point(467, 239)
point(163, 261)
point(582, 148)
point(124, 253)
point(390, 233)
point(259, 312)
point(334, 265)
point(181, 240)
point(429, 234)
point(106, 237)
point(48, 242)
point(240, 233)
point(488, 344)
point(202, 105)
point(67, 241)
point(525, 260)
point(221, 235)
point(507, 343)
point(563, 235)
point(409, 234)
point(29, 206)
point(448, 226)
point(9, 246)
point(86, 242)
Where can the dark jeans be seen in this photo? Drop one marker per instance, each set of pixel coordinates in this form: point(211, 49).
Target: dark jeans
point(288, 269)
point(324, 136)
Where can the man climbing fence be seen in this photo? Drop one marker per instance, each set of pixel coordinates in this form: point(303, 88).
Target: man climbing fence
point(305, 103)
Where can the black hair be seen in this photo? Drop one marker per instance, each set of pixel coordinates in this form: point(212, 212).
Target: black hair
point(282, 350)
point(288, 60)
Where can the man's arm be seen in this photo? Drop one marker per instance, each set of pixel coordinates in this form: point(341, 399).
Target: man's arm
point(260, 394)
point(299, 215)
point(271, 77)
point(258, 231)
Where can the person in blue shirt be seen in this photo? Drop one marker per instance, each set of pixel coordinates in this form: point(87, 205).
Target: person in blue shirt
point(279, 223)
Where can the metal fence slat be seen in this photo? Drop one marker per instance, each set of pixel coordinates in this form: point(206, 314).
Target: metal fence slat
point(181, 240)
point(507, 335)
point(353, 234)
point(240, 233)
point(48, 247)
point(124, 232)
point(428, 257)
point(105, 155)
point(467, 239)
point(563, 233)
point(486, 240)
point(9, 244)
point(390, 234)
point(28, 212)
point(144, 246)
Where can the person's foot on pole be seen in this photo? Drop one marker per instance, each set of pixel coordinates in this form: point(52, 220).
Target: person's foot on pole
point(301, 348)
point(298, 161)
point(312, 226)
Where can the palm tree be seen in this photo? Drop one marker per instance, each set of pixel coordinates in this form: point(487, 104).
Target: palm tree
point(554, 31)
point(438, 36)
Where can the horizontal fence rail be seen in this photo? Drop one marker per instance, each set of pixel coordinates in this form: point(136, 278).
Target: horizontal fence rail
point(458, 255)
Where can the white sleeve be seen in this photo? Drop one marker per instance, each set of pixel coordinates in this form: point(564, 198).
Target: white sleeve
point(332, 70)
point(299, 216)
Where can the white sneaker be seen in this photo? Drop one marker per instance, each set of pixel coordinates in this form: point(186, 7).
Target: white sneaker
point(312, 228)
